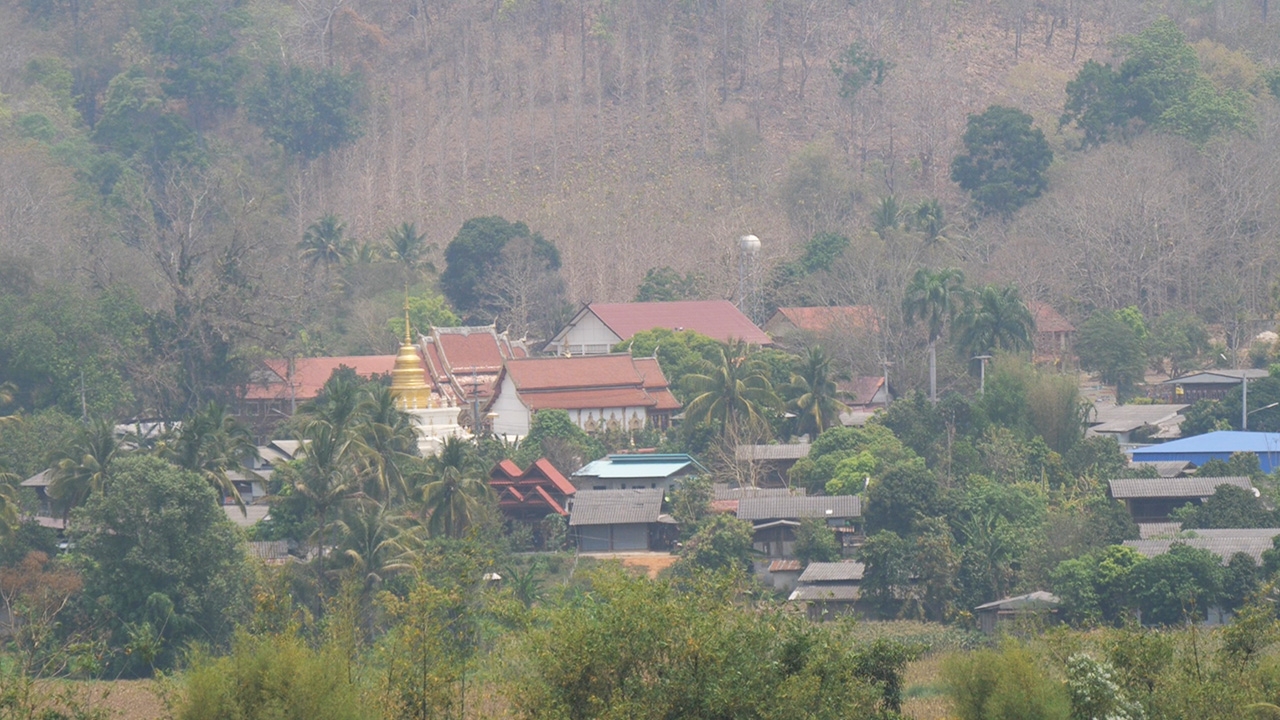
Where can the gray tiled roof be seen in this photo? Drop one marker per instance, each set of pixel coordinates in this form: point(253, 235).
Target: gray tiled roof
point(832, 572)
point(1223, 543)
point(789, 451)
point(615, 507)
point(830, 507)
point(816, 593)
point(1192, 487)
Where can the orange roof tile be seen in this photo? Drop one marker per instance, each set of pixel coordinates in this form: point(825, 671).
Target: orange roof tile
point(824, 319)
point(591, 381)
point(1048, 319)
point(310, 374)
point(717, 319)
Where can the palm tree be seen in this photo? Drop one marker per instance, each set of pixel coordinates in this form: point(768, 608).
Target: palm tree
point(329, 470)
point(8, 503)
point(734, 391)
point(452, 490)
point(377, 543)
point(325, 243)
point(813, 394)
point(209, 443)
point(994, 318)
point(409, 247)
point(84, 467)
point(933, 297)
point(928, 218)
point(388, 433)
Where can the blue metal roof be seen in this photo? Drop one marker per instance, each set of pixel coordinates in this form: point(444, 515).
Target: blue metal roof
point(1199, 449)
point(648, 465)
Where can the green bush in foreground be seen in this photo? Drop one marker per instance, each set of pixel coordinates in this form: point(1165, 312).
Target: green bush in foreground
point(1004, 684)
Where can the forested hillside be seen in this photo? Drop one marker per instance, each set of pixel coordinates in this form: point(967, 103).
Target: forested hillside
point(175, 154)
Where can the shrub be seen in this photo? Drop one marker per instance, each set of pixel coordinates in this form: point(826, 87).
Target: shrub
point(1005, 684)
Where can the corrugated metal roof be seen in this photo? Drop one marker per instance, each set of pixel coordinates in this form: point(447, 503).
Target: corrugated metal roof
point(832, 572)
point(1223, 543)
point(789, 451)
point(818, 593)
point(1033, 600)
point(1147, 531)
point(785, 566)
point(1184, 487)
point(1222, 441)
point(724, 492)
point(624, 467)
point(40, 479)
point(830, 507)
point(1218, 377)
point(1165, 468)
point(615, 507)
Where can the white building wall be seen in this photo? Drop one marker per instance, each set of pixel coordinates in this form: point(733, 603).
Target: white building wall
point(512, 419)
point(589, 336)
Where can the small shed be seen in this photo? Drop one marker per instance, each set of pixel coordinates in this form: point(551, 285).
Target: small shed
point(620, 520)
point(1153, 500)
point(829, 589)
point(993, 614)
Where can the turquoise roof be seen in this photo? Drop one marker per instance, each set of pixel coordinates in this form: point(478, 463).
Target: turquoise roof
point(647, 465)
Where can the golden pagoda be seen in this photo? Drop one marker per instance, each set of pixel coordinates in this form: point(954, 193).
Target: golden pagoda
point(408, 378)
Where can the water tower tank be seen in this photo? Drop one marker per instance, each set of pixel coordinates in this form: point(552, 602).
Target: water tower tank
point(749, 244)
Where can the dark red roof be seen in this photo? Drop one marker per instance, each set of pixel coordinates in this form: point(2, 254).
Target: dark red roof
point(824, 319)
point(1047, 319)
point(538, 488)
point(310, 374)
point(591, 381)
point(862, 388)
point(717, 319)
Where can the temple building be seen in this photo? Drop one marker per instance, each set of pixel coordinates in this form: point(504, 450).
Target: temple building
point(434, 417)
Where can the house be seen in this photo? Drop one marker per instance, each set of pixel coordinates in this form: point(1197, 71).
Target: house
point(863, 396)
point(1208, 384)
point(829, 589)
point(1221, 445)
point(598, 327)
point(463, 363)
point(1153, 500)
point(1039, 604)
point(1054, 334)
point(769, 465)
point(1224, 543)
point(725, 498)
point(279, 386)
point(620, 521)
point(776, 518)
point(1123, 421)
point(612, 392)
point(635, 471)
point(804, 323)
point(533, 493)
point(45, 515)
point(1170, 469)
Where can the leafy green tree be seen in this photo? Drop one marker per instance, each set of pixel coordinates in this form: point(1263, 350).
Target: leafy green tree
point(679, 353)
point(1004, 161)
point(196, 42)
point(820, 252)
point(474, 255)
point(163, 561)
point(387, 433)
point(994, 318)
point(723, 542)
point(1111, 346)
point(1229, 507)
point(816, 542)
point(934, 297)
point(425, 311)
point(555, 436)
point(887, 560)
point(662, 284)
point(1098, 458)
point(812, 394)
point(134, 123)
point(852, 474)
point(887, 215)
point(307, 112)
point(690, 502)
point(1004, 684)
point(1179, 338)
point(1240, 582)
point(733, 393)
point(1098, 587)
point(1178, 586)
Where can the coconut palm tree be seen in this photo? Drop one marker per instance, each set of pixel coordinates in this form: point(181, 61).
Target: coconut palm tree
point(209, 443)
point(933, 297)
point(734, 392)
point(994, 318)
point(813, 394)
point(388, 434)
point(377, 542)
point(452, 489)
point(928, 217)
point(329, 471)
point(84, 467)
point(409, 248)
point(325, 244)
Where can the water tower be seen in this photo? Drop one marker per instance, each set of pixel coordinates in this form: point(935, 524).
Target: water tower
point(748, 254)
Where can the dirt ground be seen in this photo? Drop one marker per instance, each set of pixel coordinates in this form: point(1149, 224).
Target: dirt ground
point(651, 562)
point(124, 699)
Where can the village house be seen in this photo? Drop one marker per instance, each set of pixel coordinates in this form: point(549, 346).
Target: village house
point(1038, 605)
point(279, 386)
point(829, 589)
point(1153, 500)
point(775, 519)
point(637, 470)
point(1129, 424)
point(768, 465)
point(1208, 384)
point(612, 392)
point(599, 327)
point(791, 325)
point(620, 521)
point(531, 494)
point(1224, 543)
point(463, 364)
point(1054, 334)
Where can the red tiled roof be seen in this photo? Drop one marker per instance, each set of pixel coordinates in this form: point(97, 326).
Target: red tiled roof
point(540, 482)
point(862, 388)
point(717, 319)
point(586, 399)
point(655, 382)
point(310, 374)
point(465, 351)
point(591, 381)
point(1047, 319)
point(824, 319)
